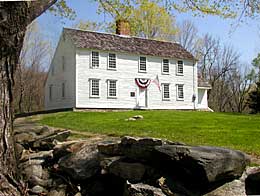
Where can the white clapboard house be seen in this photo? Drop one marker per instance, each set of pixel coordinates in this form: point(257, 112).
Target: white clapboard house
point(117, 71)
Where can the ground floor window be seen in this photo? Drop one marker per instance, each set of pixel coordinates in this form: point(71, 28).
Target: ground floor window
point(180, 91)
point(166, 91)
point(112, 88)
point(94, 88)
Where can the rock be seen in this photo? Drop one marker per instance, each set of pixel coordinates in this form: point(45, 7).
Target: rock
point(110, 148)
point(62, 149)
point(38, 190)
point(19, 150)
point(82, 164)
point(35, 180)
point(39, 155)
point(45, 130)
point(134, 172)
point(57, 192)
point(252, 181)
point(78, 194)
point(22, 138)
point(140, 149)
point(142, 190)
point(138, 117)
point(213, 166)
point(32, 170)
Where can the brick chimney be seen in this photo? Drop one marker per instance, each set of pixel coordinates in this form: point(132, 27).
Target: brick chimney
point(122, 27)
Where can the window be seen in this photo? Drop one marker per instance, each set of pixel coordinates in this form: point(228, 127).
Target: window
point(180, 92)
point(180, 68)
point(63, 63)
point(111, 88)
point(166, 91)
point(63, 90)
point(142, 64)
point(132, 94)
point(50, 92)
point(95, 60)
point(111, 61)
point(94, 88)
point(165, 68)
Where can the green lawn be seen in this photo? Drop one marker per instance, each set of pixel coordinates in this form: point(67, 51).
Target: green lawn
point(234, 131)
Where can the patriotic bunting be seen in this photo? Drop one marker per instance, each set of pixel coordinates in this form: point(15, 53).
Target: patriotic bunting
point(142, 83)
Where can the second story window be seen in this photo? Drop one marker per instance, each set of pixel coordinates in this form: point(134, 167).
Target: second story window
point(142, 64)
point(95, 59)
point(111, 61)
point(94, 88)
point(165, 68)
point(63, 63)
point(180, 68)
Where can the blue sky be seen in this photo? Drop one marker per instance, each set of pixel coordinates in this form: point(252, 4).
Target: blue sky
point(245, 38)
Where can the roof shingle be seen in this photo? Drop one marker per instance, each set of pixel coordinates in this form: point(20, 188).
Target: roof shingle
point(117, 43)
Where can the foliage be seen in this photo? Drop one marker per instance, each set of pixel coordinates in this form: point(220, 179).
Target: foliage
point(254, 99)
point(90, 25)
point(197, 128)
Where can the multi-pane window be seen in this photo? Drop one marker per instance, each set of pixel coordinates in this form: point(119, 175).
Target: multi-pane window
point(95, 59)
point(180, 92)
point(63, 90)
point(111, 61)
point(165, 68)
point(166, 91)
point(50, 92)
point(94, 87)
point(63, 63)
point(142, 64)
point(112, 88)
point(180, 67)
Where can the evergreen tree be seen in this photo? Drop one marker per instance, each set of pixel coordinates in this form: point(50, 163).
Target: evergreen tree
point(254, 99)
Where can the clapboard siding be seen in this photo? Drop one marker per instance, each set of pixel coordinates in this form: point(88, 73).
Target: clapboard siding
point(65, 48)
point(126, 72)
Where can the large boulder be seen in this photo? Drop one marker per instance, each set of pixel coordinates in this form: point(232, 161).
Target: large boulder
point(202, 168)
point(142, 190)
point(252, 181)
point(81, 164)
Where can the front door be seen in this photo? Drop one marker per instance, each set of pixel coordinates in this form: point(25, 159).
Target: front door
point(142, 98)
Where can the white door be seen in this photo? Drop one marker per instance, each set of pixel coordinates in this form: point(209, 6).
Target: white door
point(142, 98)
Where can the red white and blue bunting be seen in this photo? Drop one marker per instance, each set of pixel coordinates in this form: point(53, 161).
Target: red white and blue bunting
point(142, 83)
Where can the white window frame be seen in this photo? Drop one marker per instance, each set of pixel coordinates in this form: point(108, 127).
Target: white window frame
point(50, 92)
point(177, 68)
point(163, 91)
point(108, 89)
point(108, 61)
point(63, 90)
point(63, 63)
point(91, 65)
point(163, 72)
point(91, 86)
point(177, 92)
point(139, 64)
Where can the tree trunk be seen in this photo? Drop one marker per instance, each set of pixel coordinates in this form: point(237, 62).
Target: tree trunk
point(13, 22)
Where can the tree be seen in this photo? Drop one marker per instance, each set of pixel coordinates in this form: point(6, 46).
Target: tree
point(254, 99)
point(90, 25)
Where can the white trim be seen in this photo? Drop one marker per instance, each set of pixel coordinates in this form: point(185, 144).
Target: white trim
point(108, 83)
point(177, 92)
point(90, 88)
point(142, 71)
point(163, 98)
point(166, 73)
point(109, 68)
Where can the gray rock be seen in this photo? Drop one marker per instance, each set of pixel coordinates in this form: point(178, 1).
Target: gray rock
point(18, 149)
point(82, 164)
point(38, 190)
point(134, 172)
point(39, 155)
point(58, 192)
point(32, 170)
point(142, 190)
point(211, 165)
point(35, 180)
point(110, 148)
point(25, 137)
point(252, 181)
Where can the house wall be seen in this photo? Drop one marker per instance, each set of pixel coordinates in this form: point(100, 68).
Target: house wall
point(65, 48)
point(202, 98)
point(127, 71)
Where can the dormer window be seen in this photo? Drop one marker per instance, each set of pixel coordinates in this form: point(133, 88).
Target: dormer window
point(165, 66)
point(111, 61)
point(142, 64)
point(95, 59)
point(180, 68)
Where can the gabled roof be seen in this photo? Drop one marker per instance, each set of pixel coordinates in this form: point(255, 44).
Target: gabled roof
point(119, 43)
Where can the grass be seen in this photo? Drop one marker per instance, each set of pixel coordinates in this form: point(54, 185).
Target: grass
point(235, 131)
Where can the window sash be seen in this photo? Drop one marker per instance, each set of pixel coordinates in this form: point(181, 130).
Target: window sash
point(142, 64)
point(94, 88)
point(112, 88)
point(166, 91)
point(112, 61)
point(95, 59)
point(180, 91)
point(180, 67)
point(165, 66)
